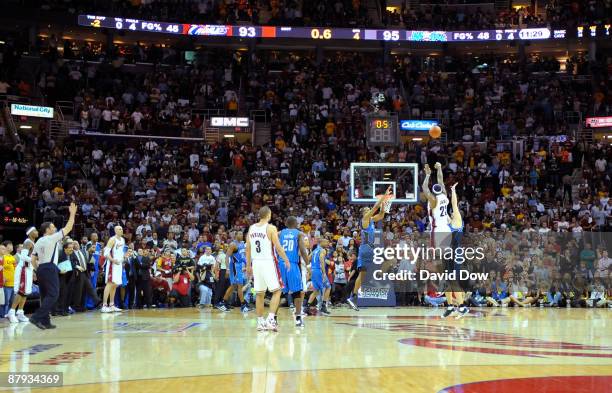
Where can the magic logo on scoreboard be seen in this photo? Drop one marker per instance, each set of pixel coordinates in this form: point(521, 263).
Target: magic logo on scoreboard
point(427, 36)
point(417, 125)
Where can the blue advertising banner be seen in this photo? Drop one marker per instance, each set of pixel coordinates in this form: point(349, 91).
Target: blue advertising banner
point(417, 125)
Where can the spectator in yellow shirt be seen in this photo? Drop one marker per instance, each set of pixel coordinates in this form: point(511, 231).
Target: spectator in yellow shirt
point(9, 277)
point(280, 143)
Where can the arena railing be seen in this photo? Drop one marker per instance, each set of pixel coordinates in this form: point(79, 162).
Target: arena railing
point(259, 115)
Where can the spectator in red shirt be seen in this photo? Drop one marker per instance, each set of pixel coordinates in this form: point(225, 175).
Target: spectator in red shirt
point(160, 289)
point(181, 287)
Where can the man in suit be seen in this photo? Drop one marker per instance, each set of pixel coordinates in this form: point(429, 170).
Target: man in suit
point(81, 284)
point(130, 272)
point(142, 269)
point(65, 276)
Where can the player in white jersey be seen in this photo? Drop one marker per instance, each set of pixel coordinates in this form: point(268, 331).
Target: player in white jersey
point(23, 278)
point(114, 253)
point(262, 240)
point(437, 209)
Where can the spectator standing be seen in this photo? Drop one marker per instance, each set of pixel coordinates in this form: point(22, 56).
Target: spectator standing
point(223, 274)
point(81, 282)
point(142, 264)
point(66, 266)
point(9, 277)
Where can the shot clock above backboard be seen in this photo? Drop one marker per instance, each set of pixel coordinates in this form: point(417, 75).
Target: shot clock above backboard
point(382, 130)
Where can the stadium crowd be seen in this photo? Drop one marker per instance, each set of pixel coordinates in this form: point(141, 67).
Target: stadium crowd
point(487, 96)
point(474, 16)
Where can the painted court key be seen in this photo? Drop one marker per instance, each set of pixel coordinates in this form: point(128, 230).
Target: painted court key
point(30, 380)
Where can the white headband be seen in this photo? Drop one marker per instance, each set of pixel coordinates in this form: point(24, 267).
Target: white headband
point(30, 230)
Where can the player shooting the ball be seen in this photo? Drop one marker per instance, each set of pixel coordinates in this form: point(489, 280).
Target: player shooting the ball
point(366, 248)
point(437, 208)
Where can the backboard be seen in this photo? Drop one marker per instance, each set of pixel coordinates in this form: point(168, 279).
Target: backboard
point(370, 179)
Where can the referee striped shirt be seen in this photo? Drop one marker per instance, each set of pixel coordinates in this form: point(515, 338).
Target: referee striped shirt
point(46, 248)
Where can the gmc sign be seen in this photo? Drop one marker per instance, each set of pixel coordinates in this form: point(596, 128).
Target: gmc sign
point(229, 121)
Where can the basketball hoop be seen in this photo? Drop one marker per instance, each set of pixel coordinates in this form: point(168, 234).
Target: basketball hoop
point(387, 201)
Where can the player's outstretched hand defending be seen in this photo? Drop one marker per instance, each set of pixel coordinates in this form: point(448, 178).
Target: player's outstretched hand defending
point(427, 169)
point(453, 187)
point(438, 166)
point(72, 208)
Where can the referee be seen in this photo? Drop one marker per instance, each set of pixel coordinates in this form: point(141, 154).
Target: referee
point(44, 260)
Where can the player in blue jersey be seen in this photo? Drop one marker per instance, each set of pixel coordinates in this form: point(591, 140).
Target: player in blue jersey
point(293, 242)
point(456, 298)
point(320, 281)
point(365, 256)
point(236, 255)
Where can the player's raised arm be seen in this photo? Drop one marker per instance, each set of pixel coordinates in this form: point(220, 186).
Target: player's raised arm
point(273, 235)
point(440, 175)
point(430, 198)
point(369, 214)
point(302, 246)
point(456, 213)
point(381, 212)
point(73, 210)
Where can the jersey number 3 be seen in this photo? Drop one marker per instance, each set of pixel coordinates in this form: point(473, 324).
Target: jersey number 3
point(257, 246)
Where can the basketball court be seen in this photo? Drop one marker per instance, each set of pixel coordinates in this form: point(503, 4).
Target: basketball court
point(378, 349)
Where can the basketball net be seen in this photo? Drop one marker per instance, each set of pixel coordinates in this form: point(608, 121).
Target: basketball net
point(387, 201)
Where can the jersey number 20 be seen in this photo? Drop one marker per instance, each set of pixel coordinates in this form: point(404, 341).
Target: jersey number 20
point(288, 245)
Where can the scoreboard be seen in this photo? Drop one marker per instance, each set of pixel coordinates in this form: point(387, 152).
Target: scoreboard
point(326, 33)
point(382, 130)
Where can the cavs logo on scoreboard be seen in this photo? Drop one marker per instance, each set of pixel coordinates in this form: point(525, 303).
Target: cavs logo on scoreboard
point(212, 30)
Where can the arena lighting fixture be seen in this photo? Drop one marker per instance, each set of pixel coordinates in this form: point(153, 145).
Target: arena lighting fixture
point(417, 139)
point(229, 136)
point(25, 127)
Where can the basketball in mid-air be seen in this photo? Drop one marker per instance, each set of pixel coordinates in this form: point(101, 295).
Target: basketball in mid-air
point(435, 132)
